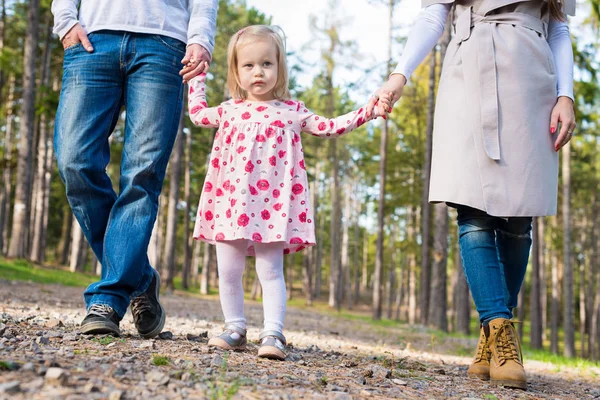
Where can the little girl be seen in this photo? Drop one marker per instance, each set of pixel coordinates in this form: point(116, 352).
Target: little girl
point(255, 199)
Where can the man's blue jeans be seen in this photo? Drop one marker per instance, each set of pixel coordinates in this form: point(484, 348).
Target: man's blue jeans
point(494, 252)
point(141, 72)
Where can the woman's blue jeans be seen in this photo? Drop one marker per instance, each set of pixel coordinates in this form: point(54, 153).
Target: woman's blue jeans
point(139, 71)
point(494, 252)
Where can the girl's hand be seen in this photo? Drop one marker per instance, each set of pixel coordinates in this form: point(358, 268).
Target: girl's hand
point(393, 87)
point(564, 113)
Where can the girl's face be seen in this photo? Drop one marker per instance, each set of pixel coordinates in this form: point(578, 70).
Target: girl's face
point(258, 69)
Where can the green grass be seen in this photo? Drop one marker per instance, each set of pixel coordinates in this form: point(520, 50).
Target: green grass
point(21, 270)
point(159, 360)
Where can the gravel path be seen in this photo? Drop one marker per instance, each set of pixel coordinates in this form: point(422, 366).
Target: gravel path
point(43, 356)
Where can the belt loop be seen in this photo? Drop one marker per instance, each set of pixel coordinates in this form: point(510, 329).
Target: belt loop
point(463, 25)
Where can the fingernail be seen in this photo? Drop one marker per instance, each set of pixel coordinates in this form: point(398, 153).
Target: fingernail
point(89, 48)
point(384, 117)
point(552, 129)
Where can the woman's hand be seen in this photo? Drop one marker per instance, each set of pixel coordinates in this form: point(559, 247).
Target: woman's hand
point(393, 87)
point(564, 113)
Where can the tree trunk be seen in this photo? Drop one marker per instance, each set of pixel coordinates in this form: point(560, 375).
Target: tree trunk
point(364, 277)
point(187, 235)
point(534, 298)
point(521, 308)
point(6, 192)
point(568, 305)
point(543, 276)
point(425, 206)
point(21, 210)
point(320, 223)
point(355, 256)
point(174, 180)
point(463, 299)
point(555, 307)
point(390, 285)
point(345, 286)
point(2, 38)
point(308, 262)
point(196, 262)
point(76, 247)
point(65, 237)
point(206, 263)
point(44, 145)
point(438, 305)
point(412, 283)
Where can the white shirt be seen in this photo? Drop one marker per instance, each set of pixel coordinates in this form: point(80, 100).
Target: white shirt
point(429, 27)
point(191, 21)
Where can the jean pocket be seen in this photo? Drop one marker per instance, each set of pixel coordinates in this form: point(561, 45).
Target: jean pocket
point(74, 47)
point(171, 43)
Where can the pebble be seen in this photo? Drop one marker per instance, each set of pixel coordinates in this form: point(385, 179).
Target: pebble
point(2, 328)
point(70, 337)
point(400, 382)
point(10, 387)
point(55, 376)
point(217, 361)
point(115, 395)
point(339, 396)
point(42, 340)
point(157, 377)
point(54, 323)
point(90, 387)
point(147, 345)
point(28, 367)
point(167, 335)
point(380, 372)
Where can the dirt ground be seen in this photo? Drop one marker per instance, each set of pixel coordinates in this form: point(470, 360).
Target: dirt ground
point(43, 356)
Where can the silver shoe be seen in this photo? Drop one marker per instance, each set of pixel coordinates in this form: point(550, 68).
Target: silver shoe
point(272, 345)
point(226, 342)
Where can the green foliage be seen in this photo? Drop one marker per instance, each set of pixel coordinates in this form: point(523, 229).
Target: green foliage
point(20, 270)
point(159, 360)
point(106, 340)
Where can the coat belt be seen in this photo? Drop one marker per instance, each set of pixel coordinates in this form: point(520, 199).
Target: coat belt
point(486, 65)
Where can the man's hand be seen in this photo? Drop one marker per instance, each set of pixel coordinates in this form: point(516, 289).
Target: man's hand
point(196, 61)
point(77, 35)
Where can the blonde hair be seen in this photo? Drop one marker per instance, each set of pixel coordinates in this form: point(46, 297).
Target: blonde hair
point(248, 35)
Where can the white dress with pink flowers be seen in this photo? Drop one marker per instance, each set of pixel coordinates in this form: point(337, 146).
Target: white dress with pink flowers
point(256, 186)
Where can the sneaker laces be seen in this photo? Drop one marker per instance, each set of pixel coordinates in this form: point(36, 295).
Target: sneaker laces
point(508, 343)
point(101, 310)
point(140, 304)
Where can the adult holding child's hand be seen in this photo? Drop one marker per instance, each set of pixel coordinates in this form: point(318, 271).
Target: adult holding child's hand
point(393, 89)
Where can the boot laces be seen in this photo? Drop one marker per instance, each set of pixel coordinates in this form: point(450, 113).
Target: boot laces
point(140, 304)
point(101, 310)
point(483, 351)
point(508, 343)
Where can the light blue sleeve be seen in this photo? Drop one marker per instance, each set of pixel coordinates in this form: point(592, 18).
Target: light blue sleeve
point(559, 40)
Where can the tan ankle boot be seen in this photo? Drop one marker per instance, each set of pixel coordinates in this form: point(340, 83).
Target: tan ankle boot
point(506, 363)
point(480, 367)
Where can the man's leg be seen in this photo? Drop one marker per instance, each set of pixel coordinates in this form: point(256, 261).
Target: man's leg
point(90, 100)
point(153, 100)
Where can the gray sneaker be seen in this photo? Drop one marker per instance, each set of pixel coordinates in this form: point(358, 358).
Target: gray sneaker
point(272, 345)
point(225, 340)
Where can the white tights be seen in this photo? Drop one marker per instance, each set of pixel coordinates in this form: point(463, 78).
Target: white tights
point(269, 267)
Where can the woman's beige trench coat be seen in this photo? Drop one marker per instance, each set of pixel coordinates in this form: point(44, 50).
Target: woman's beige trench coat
point(492, 146)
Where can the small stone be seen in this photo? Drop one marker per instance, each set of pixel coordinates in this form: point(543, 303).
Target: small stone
point(115, 395)
point(2, 328)
point(399, 382)
point(70, 337)
point(42, 340)
point(90, 388)
point(113, 344)
point(55, 376)
point(157, 377)
point(186, 376)
point(28, 367)
point(166, 335)
point(54, 323)
point(349, 364)
point(10, 387)
point(35, 384)
point(217, 361)
point(440, 371)
point(380, 372)
point(147, 345)
point(208, 371)
point(339, 396)
point(192, 338)
point(35, 348)
point(54, 334)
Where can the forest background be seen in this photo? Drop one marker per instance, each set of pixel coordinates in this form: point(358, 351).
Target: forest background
point(382, 249)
